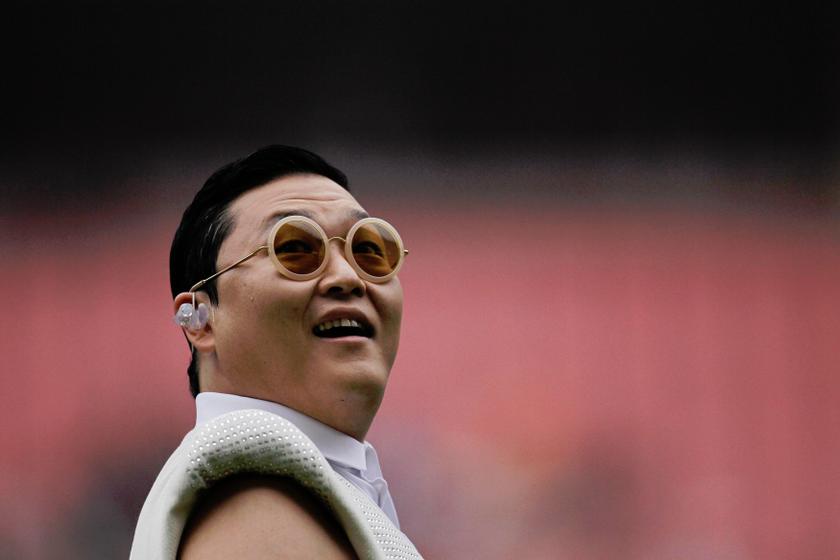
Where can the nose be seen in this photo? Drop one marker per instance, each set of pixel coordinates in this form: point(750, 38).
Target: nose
point(339, 277)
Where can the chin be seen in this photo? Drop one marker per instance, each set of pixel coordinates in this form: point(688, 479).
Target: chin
point(358, 380)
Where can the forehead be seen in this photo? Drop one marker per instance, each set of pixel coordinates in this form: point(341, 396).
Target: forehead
point(317, 197)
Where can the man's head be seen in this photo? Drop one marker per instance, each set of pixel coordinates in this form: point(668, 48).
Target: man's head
point(262, 338)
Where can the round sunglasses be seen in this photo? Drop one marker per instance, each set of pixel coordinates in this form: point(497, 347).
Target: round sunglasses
point(297, 246)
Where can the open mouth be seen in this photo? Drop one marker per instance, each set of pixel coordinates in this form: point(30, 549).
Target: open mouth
point(342, 327)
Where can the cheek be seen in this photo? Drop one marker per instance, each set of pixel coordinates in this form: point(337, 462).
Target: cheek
point(265, 305)
point(389, 301)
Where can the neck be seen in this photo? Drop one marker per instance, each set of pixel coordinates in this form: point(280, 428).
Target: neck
point(351, 412)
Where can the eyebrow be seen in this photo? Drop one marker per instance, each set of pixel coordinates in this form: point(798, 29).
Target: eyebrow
point(358, 214)
point(276, 217)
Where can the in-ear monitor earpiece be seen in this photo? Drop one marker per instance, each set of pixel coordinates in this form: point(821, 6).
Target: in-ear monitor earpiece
point(190, 318)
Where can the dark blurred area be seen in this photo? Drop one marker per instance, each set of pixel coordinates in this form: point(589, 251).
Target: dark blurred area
point(620, 330)
point(96, 89)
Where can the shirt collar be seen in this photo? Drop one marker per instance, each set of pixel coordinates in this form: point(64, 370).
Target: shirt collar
point(336, 446)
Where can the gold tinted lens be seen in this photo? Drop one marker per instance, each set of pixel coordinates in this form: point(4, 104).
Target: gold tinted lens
point(299, 247)
point(375, 249)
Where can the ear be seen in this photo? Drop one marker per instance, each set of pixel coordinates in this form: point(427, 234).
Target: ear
point(201, 338)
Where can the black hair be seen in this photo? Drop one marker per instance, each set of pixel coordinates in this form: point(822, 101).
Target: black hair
point(206, 222)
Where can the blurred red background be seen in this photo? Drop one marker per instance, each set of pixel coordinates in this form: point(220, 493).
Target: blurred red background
point(620, 331)
point(575, 379)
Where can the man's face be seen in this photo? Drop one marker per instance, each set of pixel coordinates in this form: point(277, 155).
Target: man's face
point(264, 324)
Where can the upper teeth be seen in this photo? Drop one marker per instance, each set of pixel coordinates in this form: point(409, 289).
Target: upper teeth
point(338, 323)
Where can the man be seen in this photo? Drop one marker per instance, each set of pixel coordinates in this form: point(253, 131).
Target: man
point(288, 295)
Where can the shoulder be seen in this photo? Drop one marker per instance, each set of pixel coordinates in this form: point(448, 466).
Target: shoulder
point(258, 517)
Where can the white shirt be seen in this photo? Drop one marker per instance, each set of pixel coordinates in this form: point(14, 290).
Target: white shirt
point(357, 462)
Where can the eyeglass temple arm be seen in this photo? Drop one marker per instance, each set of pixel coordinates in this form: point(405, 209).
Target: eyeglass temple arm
point(225, 269)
